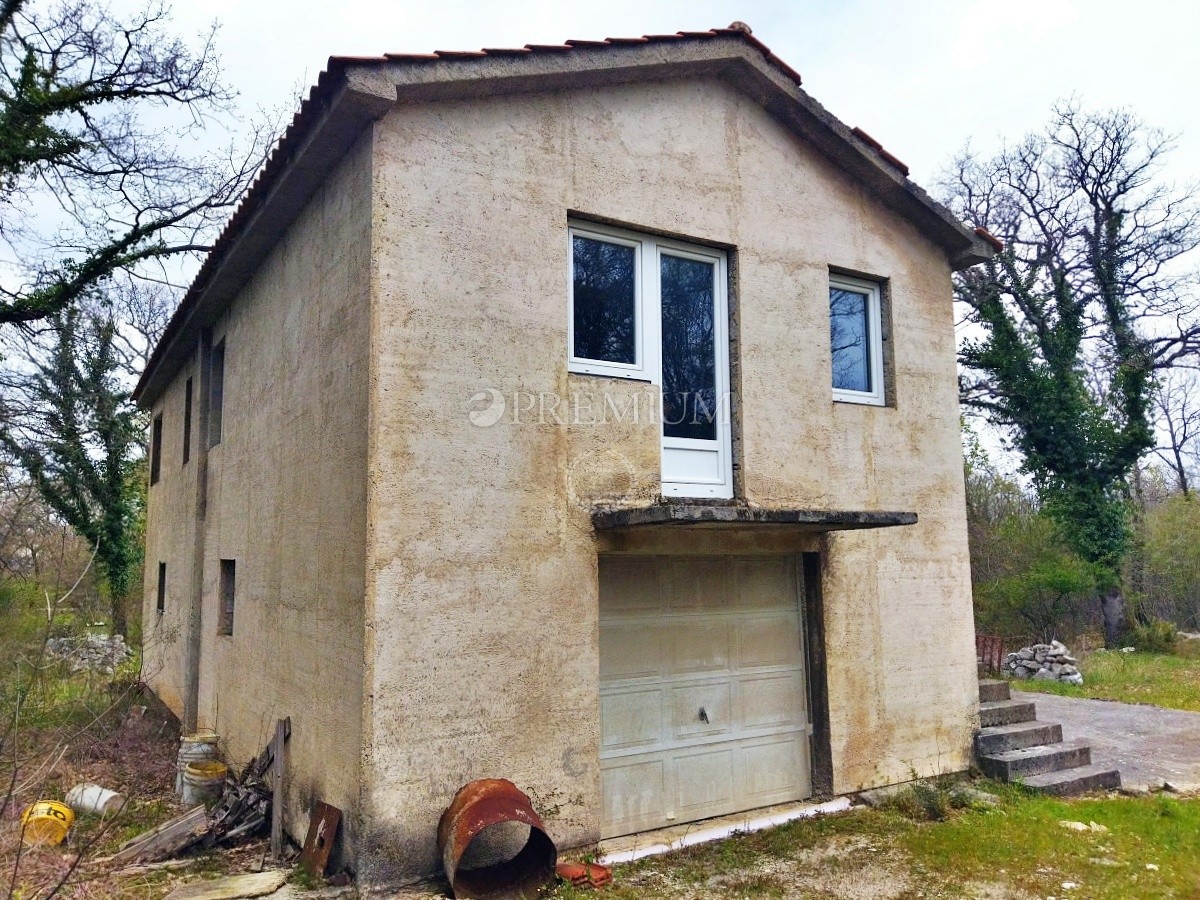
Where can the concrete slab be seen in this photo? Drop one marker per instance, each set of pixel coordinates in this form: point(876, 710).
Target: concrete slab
point(234, 887)
point(664, 840)
point(1147, 743)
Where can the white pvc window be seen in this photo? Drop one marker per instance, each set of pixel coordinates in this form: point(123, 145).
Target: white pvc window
point(657, 310)
point(856, 340)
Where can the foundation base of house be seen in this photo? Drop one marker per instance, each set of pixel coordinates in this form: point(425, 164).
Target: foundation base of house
point(664, 840)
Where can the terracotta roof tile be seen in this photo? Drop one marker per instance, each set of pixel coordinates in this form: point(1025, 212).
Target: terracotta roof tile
point(549, 48)
point(997, 244)
point(878, 148)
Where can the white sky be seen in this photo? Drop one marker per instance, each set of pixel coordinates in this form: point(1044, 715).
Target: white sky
point(922, 77)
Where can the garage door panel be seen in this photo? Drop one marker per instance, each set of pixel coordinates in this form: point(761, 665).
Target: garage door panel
point(704, 784)
point(722, 636)
point(687, 702)
point(631, 719)
point(773, 771)
point(698, 584)
point(700, 645)
point(766, 582)
point(771, 701)
point(770, 640)
point(633, 586)
point(635, 794)
point(632, 649)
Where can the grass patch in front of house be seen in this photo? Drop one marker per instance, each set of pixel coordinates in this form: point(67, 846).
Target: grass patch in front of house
point(1160, 679)
point(1015, 849)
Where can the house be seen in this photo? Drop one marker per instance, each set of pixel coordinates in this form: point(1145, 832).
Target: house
point(583, 415)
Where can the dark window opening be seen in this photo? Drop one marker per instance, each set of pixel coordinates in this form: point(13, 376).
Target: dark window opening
point(216, 393)
point(187, 421)
point(228, 587)
point(162, 586)
point(156, 450)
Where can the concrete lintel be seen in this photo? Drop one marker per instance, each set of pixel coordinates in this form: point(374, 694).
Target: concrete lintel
point(733, 515)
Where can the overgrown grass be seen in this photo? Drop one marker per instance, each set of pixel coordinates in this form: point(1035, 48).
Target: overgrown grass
point(1161, 679)
point(1015, 849)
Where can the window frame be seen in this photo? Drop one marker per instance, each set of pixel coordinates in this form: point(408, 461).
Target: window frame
point(156, 439)
point(874, 292)
point(226, 597)
point(639, 369)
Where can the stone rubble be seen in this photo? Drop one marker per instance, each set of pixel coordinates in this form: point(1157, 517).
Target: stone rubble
point(1044, 662)
point(92, 653)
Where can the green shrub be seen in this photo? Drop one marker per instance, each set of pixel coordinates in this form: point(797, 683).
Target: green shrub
point(1155, 636)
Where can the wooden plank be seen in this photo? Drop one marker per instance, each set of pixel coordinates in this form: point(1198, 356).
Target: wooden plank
point(283, 730)
point(165, 840)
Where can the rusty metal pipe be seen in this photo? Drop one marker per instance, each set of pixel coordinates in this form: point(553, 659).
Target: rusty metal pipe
point(476, 807)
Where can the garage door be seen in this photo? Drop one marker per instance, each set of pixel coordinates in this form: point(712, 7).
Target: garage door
point(702, 695)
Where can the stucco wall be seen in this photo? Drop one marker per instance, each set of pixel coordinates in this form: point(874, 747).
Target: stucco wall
point(482, 610)
point(170, 539)
point(287, 501)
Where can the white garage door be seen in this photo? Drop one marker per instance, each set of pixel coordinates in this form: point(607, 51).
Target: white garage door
point(702, 695)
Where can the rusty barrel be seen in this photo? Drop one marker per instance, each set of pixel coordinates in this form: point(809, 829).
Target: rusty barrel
point(478, 806)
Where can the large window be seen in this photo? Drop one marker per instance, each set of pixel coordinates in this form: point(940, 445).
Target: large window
point(856, 340)
point(656, 309)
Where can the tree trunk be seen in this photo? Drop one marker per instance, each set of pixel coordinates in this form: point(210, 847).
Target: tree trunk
point(1116, 623)
point(119, 624)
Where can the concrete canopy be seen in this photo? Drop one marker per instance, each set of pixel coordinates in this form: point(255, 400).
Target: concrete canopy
point(355, 91)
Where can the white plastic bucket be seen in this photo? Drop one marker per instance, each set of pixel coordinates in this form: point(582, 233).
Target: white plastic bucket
point(199, 747)
point(203, 782)
point(92, 798)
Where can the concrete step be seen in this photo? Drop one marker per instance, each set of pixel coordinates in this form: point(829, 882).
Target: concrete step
point(1017, 737)
point(992, 690)
point(1006, 712)
point(1008, 765)
point(1075, 781)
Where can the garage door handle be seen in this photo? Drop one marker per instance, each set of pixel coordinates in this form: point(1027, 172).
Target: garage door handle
point(703, 715)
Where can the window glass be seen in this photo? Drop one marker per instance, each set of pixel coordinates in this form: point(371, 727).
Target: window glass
point(849, 332)
point(689, 381)
point(604, 276)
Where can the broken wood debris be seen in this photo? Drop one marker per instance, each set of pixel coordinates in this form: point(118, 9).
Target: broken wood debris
point(318, 845)
point(243, 811)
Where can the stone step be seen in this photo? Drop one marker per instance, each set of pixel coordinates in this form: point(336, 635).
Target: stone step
point(1017, 737)
point(1008, 765)
point(1075, 781)
point(1006, 712)
point(992, 690)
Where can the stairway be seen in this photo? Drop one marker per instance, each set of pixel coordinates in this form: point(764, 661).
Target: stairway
point(1012, 744)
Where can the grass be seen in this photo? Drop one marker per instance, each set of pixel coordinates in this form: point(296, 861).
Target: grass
point(1016, 849)
point(1160, 679)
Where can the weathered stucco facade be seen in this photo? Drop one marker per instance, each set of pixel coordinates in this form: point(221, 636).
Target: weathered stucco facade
point(417, 581)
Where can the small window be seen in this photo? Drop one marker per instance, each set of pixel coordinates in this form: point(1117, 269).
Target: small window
point(216, 394)
point(187, 421)
point(156, 449)
point(162, 587)
point(605, 314)
point(856, 339)
point(228, 595)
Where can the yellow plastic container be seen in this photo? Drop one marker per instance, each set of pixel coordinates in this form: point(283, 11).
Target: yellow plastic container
point(46, 823)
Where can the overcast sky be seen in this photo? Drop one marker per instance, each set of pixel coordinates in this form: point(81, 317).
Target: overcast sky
point(922, 76)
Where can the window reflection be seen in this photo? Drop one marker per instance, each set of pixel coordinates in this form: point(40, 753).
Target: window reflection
point(604, 280)
point(849, 336)
point(688, 349)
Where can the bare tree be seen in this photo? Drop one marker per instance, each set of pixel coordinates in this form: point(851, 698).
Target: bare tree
point(1178, 410)
point(99, 175)
point(1068, 326)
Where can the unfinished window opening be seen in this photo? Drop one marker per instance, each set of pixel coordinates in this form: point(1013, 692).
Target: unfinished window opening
point(156, 450)
point(187, 421)
point(216, 393)
point(162, 587)
point(228, 598)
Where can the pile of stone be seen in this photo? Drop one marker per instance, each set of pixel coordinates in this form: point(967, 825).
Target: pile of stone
point(91, 653)
point(1044, 662)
